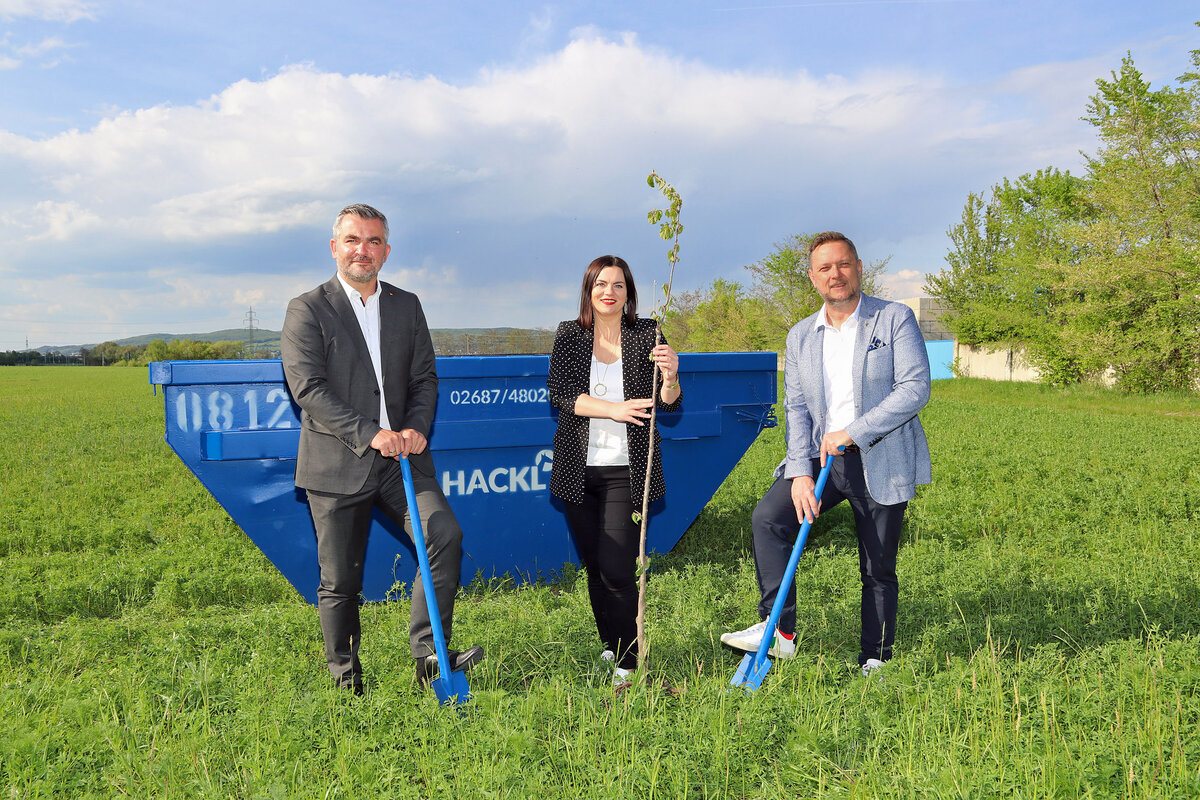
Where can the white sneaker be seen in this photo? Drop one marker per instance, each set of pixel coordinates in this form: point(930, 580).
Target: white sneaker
point(621, 676)
point(609, 656)
point(870, 666)
point(750, 639)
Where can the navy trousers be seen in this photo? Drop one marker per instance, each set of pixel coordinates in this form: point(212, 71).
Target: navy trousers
point(775, 526)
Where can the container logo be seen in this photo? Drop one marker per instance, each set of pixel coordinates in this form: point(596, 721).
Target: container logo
point(500, 480)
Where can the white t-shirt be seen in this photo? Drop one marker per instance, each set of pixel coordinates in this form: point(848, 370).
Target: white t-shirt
point(608, 441)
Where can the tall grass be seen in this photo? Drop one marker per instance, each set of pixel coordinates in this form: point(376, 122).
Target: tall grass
point(1048, 645)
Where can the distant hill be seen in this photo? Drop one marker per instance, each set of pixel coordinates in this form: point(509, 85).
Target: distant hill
point(446, 341)
point(266, 338)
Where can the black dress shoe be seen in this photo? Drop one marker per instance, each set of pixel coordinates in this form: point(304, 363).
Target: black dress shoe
point(356, 688)
point(460, 661)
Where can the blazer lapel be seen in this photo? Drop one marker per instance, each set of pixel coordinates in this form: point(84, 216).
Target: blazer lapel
point(390, 327)
point(814, 365)
point(581, 358)
point(346, 317)
point(868, 316)
point(628, 365)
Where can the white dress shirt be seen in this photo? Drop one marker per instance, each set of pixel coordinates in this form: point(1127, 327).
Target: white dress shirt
point(837, 359)
point(366, 311)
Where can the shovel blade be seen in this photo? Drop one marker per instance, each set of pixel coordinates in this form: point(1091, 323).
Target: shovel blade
point(750, 673)
point(453, 690)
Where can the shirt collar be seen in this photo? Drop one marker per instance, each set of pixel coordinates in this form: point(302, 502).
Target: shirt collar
point(850, 320)
point(354, 294)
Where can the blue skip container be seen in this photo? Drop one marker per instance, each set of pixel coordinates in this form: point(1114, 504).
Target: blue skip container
point(234, 424)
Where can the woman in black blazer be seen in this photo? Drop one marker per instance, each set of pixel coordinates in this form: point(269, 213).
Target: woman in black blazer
point(601, 378)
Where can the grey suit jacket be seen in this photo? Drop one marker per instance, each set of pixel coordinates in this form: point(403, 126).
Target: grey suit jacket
point(329, 372)
point(891, 384)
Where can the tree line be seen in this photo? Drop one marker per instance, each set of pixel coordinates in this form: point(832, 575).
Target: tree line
point(111, 354)
point(35, 358)
point(484, 341)
point(1095, 275)
point(730, 315)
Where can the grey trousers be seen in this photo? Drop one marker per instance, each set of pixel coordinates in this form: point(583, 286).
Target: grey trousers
point(775, 526)
point(342, 523)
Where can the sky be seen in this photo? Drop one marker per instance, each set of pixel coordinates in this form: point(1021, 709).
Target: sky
point(167, 168)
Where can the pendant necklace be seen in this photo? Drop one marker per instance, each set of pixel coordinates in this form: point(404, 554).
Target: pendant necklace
point(600, 388)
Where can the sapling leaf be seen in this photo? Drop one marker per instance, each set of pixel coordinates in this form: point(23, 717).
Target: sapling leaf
point(668, 229)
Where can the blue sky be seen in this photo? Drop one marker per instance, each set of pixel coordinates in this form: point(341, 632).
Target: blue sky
point(165, 168)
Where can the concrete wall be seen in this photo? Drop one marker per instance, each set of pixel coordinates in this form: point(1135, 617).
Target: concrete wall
point(1000, 365)
point(974, 362)
point(928, 313)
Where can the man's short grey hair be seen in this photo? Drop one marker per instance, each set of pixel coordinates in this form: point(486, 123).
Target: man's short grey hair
point(361, 210)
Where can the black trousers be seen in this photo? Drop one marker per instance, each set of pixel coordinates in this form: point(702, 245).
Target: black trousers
point(775, 526)
point(342, 523)
point(607, 539)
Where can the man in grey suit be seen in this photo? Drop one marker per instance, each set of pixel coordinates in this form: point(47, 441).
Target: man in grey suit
point(359, 361)
point(855, 375)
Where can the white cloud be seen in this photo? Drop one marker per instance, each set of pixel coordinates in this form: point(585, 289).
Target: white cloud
point(557, 148)
point(1045, 91)
point(52, 220)
point(181, 301)
point(168, 301)
point(47, 45)
point(55, 10)
point(535, 37)
point(64, 220)
point(505, 303)
point(517, 142)
point(50, 46)
point(904, 284)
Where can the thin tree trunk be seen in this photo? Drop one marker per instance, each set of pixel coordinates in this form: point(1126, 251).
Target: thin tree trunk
point(667, 230)
point(643, 562)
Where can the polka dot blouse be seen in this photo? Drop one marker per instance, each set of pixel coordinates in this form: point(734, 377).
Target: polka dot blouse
point(570, 368)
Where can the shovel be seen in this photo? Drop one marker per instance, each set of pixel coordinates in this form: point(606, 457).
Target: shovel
point(754, 666)
point(449, 687)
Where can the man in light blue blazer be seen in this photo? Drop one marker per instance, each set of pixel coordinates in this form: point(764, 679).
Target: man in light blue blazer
point(855, 375)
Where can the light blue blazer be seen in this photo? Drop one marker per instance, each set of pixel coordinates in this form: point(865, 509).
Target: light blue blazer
point(891, 384)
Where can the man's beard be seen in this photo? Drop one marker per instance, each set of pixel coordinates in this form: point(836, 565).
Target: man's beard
point(359, 272)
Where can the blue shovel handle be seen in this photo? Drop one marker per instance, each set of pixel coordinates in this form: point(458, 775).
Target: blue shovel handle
point(754, 667)
point(447, 685)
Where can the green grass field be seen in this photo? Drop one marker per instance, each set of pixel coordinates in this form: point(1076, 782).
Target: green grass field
point(1048, 645)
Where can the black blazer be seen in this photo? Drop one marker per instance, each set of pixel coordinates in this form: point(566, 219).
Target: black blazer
point(570, 371)
point(329, 372)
